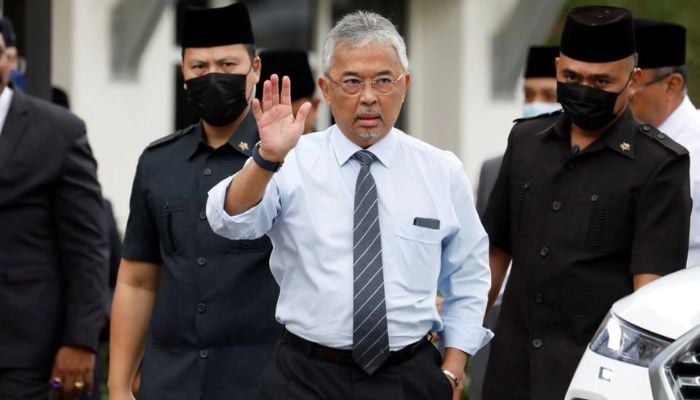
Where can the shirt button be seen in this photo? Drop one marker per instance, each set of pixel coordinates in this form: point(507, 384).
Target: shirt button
point(556, 205)
point(202, 215)
point(660, 136)
point(201, 308)
point(544, 251)
point(538, 298)
point(201, 261)
point(594, 198)
point(526, 185)
point(166, 205)
point(203, 354)
point(207, 171)
point(537, 343)
point(645, 128)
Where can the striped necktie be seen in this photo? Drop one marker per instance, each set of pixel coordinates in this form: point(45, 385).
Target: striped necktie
point(370, 336)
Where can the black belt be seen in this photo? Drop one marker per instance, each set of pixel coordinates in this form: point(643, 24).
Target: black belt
point(338, 356)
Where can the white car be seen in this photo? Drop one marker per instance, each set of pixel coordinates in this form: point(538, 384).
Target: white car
point(637, 328)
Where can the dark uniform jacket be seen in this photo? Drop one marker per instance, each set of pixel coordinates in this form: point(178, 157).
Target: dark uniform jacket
point(578, 227)
point(212, 329)
point(53, 247)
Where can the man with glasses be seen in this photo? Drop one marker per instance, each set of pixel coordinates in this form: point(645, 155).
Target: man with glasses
point(661, 100)
point(367, 224)
point(589, 205)
point(205, 304)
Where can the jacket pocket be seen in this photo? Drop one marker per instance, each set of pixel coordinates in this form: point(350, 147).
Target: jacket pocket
point(170, 217)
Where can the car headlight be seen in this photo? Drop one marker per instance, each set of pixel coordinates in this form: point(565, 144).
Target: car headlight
point(623, 341)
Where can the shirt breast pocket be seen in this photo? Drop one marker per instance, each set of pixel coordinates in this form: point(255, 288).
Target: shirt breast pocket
point(170, 215)
point(597, 219)
point(523, 206)
point(419, 251)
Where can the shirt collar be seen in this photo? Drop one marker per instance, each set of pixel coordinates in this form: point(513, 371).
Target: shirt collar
point(242, 140)
point(675, 122)
point(5, 101)
point(344, 149)
point(619, 137)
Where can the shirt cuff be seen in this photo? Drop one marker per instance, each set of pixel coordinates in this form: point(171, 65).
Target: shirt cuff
point(469, 339)
point(234, 227)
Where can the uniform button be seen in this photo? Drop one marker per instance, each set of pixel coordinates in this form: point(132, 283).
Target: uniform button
point(544, 251)
point(556, 205)
point(537, 343)
point(201, 261)
point(526, 185)
point(207, 171)
point(645, 128)
point(660, 136)
point(203, 354)
point(202, 215)
point(166, 205)
point(201, 308)
point(538, 298)
point(594, 198)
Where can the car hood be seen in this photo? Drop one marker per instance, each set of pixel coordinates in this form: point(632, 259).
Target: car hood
point(668, 306)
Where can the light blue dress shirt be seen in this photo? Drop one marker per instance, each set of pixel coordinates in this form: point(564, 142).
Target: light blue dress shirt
point(307, 211)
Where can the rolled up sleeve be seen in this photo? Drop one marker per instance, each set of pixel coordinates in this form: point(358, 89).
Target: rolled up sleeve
point(465, 277)
point(251, 224)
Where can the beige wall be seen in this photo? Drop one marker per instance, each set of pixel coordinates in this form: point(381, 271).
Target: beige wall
point(122, 116)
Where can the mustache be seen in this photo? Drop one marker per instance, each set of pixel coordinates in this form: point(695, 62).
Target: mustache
point(368, 114)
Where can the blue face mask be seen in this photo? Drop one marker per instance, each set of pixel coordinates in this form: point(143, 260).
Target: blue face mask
point(539, 107)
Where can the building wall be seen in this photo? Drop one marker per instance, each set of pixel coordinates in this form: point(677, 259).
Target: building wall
point(450, 98)
point(122, 116)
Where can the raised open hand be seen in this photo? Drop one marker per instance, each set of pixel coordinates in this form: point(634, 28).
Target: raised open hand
point(278, 127)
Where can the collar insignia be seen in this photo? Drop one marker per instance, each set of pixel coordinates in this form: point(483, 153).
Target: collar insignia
point(244, 146)
point(624, 146)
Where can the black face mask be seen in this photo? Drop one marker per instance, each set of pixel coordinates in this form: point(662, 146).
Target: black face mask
point(589, 108)
point(219, 98)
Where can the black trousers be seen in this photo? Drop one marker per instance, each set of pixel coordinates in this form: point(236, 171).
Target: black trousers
point(293, 375)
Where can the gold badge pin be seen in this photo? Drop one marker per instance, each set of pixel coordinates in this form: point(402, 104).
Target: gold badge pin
point(243, 146)
point(624, 146)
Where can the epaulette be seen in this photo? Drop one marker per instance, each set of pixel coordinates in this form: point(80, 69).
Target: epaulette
point(171, 138)
point(665, 140)
point(545, 115)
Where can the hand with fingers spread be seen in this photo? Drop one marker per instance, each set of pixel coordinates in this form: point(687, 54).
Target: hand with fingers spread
point(279, 129)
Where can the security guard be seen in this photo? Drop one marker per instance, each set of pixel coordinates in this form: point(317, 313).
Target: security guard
point(210, 301)
point(661, 100)
point(589, 205)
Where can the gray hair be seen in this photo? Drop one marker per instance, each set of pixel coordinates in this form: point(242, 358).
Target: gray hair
point(360, 29)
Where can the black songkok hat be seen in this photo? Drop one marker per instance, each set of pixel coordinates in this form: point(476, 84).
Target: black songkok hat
point(598, 34)
point(540, 62)
point(292, 63)
point(659, 44)
point(8, 32)
point(210, 27)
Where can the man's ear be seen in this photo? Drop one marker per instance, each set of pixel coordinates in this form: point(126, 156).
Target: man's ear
point(675, 83)
point(257, 68)
point(323, 85)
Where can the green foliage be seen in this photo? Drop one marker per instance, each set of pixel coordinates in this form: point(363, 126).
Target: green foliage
point(684, 12)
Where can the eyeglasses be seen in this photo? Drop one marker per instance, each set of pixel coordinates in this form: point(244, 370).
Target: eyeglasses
point(353, 86)
point(654, 81)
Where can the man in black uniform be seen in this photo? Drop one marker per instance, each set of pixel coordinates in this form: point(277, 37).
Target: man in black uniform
point(589, 205)
point(210, 301)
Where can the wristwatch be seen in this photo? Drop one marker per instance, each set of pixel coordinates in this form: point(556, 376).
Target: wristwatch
point(263, 163)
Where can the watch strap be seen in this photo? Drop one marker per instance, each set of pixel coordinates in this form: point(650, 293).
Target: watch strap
point(263, 163)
